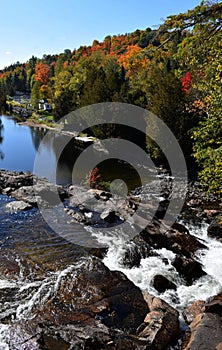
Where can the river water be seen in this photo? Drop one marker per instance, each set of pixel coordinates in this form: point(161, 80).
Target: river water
point(28, 233)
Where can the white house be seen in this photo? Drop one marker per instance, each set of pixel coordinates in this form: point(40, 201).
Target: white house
point(44, 105)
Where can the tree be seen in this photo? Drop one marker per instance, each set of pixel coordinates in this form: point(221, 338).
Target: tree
point(200, 54)
point(2, 99)
point(95, 88)
point(42, 71)
point(35, 94)
point(166, 100)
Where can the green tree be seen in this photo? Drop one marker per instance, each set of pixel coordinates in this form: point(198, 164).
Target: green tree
point(200, 53)
point(166, 99)
point(35, 94)
point(95, 89)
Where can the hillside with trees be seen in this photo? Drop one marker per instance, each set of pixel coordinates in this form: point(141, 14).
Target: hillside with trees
point(174, 71)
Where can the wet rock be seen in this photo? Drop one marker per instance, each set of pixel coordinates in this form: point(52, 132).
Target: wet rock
point(100, 194)
point(162, 208)
point(80, 306)
point(205, 333)
point(135, 250)
point(24, 337)
point(90, 308)
point(161, 284)
point(8, 294)
point(97, 252)
point(10, 181)
point(13, 266)
point(108, 215)
point(205, 319)
point(46, 195)
point(9, 267)
point(90, 289)
point(16, 206)
point(93, 337)
point(7, 190)
point(215, 228)
point(176, 238)
point(188, 268)
point(214, 305)
point(193, 310)
point(77, 216)
point(161, 325)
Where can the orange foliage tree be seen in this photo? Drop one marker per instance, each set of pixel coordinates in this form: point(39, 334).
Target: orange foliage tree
point(42, 72)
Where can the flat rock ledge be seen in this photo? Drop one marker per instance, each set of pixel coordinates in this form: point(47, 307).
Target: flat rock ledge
point(81, 306)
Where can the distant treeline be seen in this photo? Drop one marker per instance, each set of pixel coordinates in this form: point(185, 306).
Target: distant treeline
point(175, 71)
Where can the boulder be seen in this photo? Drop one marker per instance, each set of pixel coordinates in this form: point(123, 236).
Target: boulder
point(80, 306)
point(176, 238)
point(90, 290)
point(135, 250)
point(214, 305)
point(108, 215)
point(161, 284)
point(188, 268)
point(205, 333)
point(161, 325)
point(205, 330)
point(215, 228)
point(45, 194)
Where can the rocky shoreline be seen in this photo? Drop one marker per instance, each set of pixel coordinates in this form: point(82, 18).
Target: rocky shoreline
point(79, 303)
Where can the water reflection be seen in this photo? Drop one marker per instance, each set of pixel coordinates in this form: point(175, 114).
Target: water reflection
point(58, 152)
point(18, 146)
point(1, 139)
point(37, 135)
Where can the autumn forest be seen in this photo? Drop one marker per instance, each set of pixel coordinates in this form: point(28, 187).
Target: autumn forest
point(174, 71)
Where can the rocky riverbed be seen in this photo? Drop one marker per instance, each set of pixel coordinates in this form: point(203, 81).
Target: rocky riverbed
point(57, 294)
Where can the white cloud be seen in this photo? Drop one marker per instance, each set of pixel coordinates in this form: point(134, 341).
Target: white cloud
point(8, 52)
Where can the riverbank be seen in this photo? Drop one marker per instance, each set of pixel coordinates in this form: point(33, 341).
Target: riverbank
point(71, 298)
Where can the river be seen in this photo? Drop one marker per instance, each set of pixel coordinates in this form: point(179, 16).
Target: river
point(28, 233)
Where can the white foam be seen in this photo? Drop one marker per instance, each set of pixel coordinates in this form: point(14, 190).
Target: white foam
point(4, 336)
point(142, 276)
point(6, 284)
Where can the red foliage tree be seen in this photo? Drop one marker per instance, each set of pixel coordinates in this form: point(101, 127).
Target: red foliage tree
point(94, 176)
point(186, 82)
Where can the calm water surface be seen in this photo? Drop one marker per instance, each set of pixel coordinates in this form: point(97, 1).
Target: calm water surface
point(19, 145)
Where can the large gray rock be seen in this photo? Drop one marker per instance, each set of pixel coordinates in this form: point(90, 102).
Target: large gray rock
point(16, 206)
point(44, 194)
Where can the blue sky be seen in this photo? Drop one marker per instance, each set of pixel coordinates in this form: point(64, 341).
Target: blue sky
point(31, 27)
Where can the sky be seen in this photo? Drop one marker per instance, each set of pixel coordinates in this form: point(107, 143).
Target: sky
point(29, 27)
